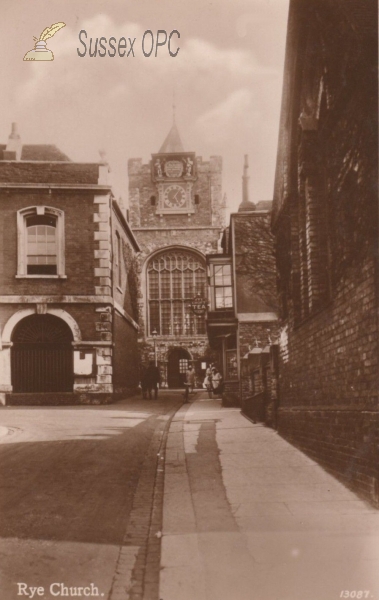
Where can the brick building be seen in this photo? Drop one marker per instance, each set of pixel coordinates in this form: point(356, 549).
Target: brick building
point(68, 304)
point(242, 320)
point(177, 214)
point(325, 225)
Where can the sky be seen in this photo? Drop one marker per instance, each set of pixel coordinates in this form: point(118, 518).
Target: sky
point(227, 78)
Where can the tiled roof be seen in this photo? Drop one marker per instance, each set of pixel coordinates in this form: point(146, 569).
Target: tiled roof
point(44, 152)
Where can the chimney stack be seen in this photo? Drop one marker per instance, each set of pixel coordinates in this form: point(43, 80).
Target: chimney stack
point(14, 145)
point(245, 181)
point(246, 204)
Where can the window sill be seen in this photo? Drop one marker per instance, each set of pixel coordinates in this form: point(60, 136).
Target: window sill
point(41, 276)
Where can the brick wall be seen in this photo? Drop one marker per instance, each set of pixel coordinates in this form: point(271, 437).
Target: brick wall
point(325, 222)
point(125, 357)
point(79, 242)
point(329, 382)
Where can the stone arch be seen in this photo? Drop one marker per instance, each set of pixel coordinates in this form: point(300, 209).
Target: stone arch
point(21, 314)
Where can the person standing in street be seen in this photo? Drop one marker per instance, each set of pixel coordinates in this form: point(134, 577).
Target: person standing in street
point(216, 381)
point(144, 386)
point(190, 382)
point(153, 379)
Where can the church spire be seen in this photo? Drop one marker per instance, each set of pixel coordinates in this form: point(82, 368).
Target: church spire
point(172, 143)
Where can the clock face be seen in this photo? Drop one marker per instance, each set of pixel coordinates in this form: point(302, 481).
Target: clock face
point(174, 196)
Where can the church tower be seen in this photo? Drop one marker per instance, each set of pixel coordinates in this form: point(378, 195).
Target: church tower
point(177, 215)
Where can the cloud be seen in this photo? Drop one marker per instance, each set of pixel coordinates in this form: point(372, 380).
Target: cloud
point(224, 121)
point(223, 90)
point(196, 60)
point(204, 56)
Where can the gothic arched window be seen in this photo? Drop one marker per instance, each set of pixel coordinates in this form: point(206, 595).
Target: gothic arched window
point(174, 278)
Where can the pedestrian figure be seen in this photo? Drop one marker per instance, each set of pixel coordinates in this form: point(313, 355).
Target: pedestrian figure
point(216, 381)
point(144, 385)
point(190, 382)
point(207, 384)
point(153, 378)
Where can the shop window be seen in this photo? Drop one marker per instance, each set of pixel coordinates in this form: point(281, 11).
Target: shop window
point(231, 365)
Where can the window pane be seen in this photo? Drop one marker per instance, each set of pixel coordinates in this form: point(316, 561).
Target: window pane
point(231, 364)
point(41, 249)
point(166, 326)
point(200, 324)
point(41, 246)
point(165, 284)
point(153, 285)
point(200, 282)
point(177, 284)
point(223, 297)
point(178, 318)
point(222, 275)
point(51, 249)
point(188, 322)
point(183, 365)
point(154, 317)
point(188, 284)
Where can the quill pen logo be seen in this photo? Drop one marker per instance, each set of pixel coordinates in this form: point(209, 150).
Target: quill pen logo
point(40, 51)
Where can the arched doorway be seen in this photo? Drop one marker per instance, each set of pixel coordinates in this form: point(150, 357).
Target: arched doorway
point(42, 355)
point(178, 362)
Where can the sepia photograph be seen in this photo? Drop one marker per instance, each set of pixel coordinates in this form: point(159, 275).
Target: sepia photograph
point(189, 300)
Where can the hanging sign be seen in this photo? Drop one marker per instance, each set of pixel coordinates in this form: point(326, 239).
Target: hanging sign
point(198, 305)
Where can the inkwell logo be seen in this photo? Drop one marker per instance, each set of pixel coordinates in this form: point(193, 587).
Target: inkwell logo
point(40, 51)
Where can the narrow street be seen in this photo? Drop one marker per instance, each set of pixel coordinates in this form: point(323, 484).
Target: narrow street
point(68, 478)
point(149, 500)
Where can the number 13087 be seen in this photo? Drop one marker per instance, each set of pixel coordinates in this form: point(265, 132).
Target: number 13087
point(355, 594)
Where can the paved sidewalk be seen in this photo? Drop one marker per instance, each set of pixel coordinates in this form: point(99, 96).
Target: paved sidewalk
point(246, 516)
